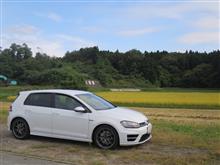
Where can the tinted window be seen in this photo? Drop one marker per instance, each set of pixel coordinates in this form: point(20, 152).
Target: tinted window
point(39, 99)
point(65, 102)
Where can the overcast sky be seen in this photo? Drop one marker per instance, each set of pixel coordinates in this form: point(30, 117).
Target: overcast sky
point(53, 27)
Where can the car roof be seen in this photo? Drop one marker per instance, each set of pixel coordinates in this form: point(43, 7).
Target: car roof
point(61, 91)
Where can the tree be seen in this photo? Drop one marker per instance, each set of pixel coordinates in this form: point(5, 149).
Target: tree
point(130, 69)
point(20, 52)
point(200, 76)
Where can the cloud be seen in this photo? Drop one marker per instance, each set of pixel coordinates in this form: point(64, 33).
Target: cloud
point(169, 10)
point(24, 29)
point(54, 17)
point(54, 48)
point(50, 47)
point(76, 42)
point(37, 40)
point(137, 32)
point(92, 29)
point(204, 30)
point(50, 15)
point(34, 38)
point(207, 23)
point(200, 20)
point(200, 38)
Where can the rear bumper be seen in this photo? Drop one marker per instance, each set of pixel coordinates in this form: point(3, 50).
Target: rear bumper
point(135, 136)
point(9, 122)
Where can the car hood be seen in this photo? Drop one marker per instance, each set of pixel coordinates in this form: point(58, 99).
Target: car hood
point(121, 113)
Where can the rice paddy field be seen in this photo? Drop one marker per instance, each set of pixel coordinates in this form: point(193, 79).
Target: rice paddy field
point(155, 98)
point(172, 99)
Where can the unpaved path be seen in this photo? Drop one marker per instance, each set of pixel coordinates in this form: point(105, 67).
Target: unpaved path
point(72, 152)
point(7, 158)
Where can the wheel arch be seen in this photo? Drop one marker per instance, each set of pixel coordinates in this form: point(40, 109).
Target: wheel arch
point(18, 117)
point(104, 124)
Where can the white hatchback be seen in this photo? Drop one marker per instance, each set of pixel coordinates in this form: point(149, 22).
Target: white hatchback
point(76, 115)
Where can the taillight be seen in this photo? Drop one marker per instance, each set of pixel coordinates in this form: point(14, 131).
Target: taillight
point(10, 109)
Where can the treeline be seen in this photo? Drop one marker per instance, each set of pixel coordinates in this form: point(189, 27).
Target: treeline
point(112, 69)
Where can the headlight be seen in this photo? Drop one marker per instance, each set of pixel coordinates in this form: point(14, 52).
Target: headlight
point(129, 124)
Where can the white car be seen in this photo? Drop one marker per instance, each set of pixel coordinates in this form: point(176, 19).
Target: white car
point(76, 115)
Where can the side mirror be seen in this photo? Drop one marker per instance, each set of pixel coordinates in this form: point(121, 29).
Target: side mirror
point(80, 109)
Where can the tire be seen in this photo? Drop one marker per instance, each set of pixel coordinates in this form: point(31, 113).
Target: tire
point(20, 129)
point(106, 137)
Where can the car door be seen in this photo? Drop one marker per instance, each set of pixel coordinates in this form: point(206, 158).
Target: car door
point(66, 122)
point(38, 109)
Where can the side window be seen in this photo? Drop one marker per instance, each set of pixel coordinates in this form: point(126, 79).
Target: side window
point(39, 99)
point(65, 102)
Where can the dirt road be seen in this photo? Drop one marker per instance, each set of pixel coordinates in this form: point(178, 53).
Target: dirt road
point(7, 158)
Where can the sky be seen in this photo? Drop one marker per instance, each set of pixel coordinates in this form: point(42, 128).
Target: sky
point(55, 27)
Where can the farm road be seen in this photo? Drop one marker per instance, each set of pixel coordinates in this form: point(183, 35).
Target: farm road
point(7, 158)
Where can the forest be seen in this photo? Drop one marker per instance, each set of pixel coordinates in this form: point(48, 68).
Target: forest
point(133, 68)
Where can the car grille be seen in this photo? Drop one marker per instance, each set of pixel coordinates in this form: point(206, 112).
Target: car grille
point(144, 137)
point(132, 137)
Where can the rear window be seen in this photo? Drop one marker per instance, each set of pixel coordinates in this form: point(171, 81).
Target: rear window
point(39, 99)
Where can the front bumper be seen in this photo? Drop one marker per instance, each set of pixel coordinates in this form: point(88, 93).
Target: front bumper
point(133, 136)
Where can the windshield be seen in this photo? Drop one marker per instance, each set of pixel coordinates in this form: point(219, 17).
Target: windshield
point(95, 102)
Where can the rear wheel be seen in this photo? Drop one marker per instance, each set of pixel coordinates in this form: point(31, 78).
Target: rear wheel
point(106, 137)
point(20, 129)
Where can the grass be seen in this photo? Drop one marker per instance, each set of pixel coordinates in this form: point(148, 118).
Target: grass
point(202, 131)
point(169, 99)
point(6, 92)
point(180, 136)
point(4, 111)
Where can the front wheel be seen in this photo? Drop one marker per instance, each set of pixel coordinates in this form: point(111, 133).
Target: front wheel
point(106, 137)
point(20, 128)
